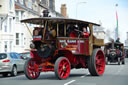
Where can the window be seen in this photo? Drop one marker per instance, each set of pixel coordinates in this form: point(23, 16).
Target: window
point(22, 15)
point(17, 16)
point(29, 5)
point(3, 56)
point(47, 3)
point(13, 55)
point(5, 46)
point(10, 4)
point(21, 2)
point(10, 24)
point(10, 46)
point(17, 55)
point(22, 39)
point(17, 38)
point(5, 26)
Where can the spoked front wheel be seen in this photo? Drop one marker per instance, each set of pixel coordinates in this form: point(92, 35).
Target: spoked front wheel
point(96, 63)
point(62, 68)
point(30, 69)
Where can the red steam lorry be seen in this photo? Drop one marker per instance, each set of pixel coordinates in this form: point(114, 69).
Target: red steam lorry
point(61, 44)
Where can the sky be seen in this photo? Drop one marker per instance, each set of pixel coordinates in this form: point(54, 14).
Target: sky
point(99, 11)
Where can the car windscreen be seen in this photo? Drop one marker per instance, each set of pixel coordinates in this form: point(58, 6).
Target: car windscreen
point(26, 55)
point(3, 56)
point(13, 56)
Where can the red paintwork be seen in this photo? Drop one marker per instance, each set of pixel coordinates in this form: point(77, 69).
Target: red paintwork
point(75, 50)
point(35, 39)
point(35, 55)
point(76, 46)
point(64, 68)
point(123, 55)
point(73, 35)
point(75, 59)
point(87, 47)
point(79, 46)
point(100, 62)
point(85, 35)
point(32, 69)
point(44, 62)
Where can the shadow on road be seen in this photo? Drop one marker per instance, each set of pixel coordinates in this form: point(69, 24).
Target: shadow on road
point(9, 75)
point(47, 76)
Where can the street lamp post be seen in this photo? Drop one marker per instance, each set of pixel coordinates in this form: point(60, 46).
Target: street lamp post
point(77, 6)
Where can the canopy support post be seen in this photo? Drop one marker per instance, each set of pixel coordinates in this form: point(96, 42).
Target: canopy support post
point(28, 29)
point(57, 29)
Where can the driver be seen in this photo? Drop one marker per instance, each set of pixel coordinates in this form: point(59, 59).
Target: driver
point(85, 34)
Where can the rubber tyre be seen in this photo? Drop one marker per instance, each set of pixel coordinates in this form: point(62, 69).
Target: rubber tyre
point(59, 65)
point(95, 64)
point(5, 74)
point(27, 70)
point(14, 71)
point(123, 61)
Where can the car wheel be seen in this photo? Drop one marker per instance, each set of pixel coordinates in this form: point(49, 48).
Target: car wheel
point(29, 69)
point(118, 61)
point(96, 63)
point(5, 74)
point(14, 71)
point(62, 68)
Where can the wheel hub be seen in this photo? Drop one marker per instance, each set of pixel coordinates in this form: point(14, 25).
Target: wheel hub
point(64, 68)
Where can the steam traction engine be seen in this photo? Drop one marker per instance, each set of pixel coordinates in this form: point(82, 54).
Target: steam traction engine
point(52, 48)
point(114, 52)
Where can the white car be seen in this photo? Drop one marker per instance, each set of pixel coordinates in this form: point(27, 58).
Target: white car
point(11, 63)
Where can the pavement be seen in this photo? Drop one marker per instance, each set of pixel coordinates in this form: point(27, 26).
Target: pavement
point(114, 75)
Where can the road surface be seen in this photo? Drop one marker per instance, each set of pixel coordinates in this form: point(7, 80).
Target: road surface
point(114, 75)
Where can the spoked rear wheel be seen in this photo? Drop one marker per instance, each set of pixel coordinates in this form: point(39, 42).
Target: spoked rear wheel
point(62, 68)
point(96, 63)
point(30, 69)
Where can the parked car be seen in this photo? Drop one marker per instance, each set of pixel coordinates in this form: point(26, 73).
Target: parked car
point(26, 55)
point(11, 63)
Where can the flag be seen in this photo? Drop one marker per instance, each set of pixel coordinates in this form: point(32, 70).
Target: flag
point(116, 30)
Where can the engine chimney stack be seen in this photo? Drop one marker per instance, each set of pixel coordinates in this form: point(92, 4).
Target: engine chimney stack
point(45, 13)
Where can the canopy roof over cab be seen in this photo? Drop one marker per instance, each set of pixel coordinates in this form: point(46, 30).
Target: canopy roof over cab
point(116, 43)
point(41, 20)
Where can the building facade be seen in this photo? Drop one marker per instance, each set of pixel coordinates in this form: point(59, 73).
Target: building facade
point(99, 32)
point(126, 41)
point(7, 16)
point(14, 36)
